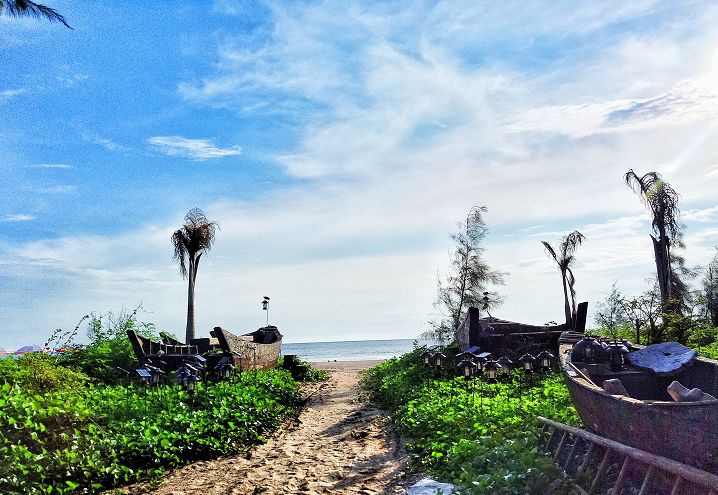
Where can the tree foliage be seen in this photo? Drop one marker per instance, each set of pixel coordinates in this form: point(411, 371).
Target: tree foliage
point(18, 8)
point(611, 313)
point(565, 258)
point(192, 240)
point(662, 201)
point(710, 291)
point(468, 278)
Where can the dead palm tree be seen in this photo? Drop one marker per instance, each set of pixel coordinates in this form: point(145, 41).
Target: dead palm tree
point(17, 8)
point(564, 259)
point(194, 238)
point(662, 200)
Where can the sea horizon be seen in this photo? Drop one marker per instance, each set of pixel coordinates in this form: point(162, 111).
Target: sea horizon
point(350, 350)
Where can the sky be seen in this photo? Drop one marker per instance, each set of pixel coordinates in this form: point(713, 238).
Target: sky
point(337, 144)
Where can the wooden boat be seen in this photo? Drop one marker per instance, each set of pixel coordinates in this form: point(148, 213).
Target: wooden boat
point(646, 417)
point(493, 333)
point(255, 350)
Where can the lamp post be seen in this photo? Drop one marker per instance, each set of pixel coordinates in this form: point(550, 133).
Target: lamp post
point(265, 307)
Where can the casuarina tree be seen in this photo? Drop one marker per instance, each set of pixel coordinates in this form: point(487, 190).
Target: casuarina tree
point(190, 242)
point(16, 8)
point(468, 279)
point(564, 258)
point(662, 200)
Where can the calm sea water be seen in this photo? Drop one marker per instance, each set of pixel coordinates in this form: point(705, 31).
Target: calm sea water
point(317, 352)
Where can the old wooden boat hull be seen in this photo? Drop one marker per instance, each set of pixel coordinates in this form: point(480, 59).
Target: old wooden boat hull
point(251, 351)
point(492, 334)
point(684, 431)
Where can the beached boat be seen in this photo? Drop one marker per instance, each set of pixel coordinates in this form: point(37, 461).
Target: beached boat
point(492, 334)
point(255, 350)
point(634, 403)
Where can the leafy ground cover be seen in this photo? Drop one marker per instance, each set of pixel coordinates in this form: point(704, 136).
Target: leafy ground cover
point(482, 438)
point(70, 437)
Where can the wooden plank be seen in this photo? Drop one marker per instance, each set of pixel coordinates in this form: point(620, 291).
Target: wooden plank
point(601, 471)
point(547, 447)
point(688, 473)
point(621, 476)
point(586, 460)
point(647, 479)
point(557, 454)
point(571, 454)
point(677, 486)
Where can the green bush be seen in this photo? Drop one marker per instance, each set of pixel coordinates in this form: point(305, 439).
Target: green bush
point(479, 436)
point(80, 440)
point(109, 351)
point(37, 373)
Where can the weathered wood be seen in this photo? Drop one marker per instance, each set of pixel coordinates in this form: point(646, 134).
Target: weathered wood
point(247, 353)
point(647, 419)
point(688, 473)
point(601, 471)
point(647, 480)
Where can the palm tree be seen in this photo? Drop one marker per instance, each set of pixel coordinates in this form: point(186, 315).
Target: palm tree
point(17, 8)
point(564, 259)
point(194, 238)
point(662, 200)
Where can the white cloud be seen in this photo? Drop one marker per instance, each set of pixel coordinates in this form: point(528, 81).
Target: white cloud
point(8, 94)
point(701, 215)
point(20, 217)
point(107, 143)
point(196, 149)
point(51, 165)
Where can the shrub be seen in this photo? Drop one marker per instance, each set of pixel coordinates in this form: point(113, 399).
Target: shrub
point(78, 440)
point(483, 438)
point(37, 372)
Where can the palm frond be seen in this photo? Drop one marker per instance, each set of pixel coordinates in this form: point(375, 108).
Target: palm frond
point(660, 198)
point(549, 249)
point(17, 8)
point(181, 254)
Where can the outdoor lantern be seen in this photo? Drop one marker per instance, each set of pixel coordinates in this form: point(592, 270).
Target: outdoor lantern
point(583, 350)
point(265, 303)
point(505, 369)
point(438, 359)
point(481, 359)
point(544, 359)
point(617, 355)
point(426, 358)
point(527, 362)
point(189, 382)
point(466, 367)
point(491, 369)
point(224, 368)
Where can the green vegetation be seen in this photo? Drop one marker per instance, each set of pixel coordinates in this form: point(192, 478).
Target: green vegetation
point(75, 423)
point(75, 438)
point(484, 442)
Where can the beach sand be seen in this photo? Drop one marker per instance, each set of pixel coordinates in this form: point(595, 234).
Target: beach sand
point(338, 445)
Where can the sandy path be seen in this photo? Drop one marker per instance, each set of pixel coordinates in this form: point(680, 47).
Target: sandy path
point(339, 445)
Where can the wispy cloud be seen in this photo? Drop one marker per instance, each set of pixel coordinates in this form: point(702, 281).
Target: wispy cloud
point(701, 215)
point(20, 217)
point(10, 93)
point(105, 142)
point(196, 149)
point(61, 189)
point(51, 165)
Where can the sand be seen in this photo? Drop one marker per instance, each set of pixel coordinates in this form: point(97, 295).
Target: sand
point(338, 445)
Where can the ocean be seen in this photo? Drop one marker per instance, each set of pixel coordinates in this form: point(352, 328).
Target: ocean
point(319, 352)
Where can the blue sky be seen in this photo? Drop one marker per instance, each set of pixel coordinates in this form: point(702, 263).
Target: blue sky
point(337, 144)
